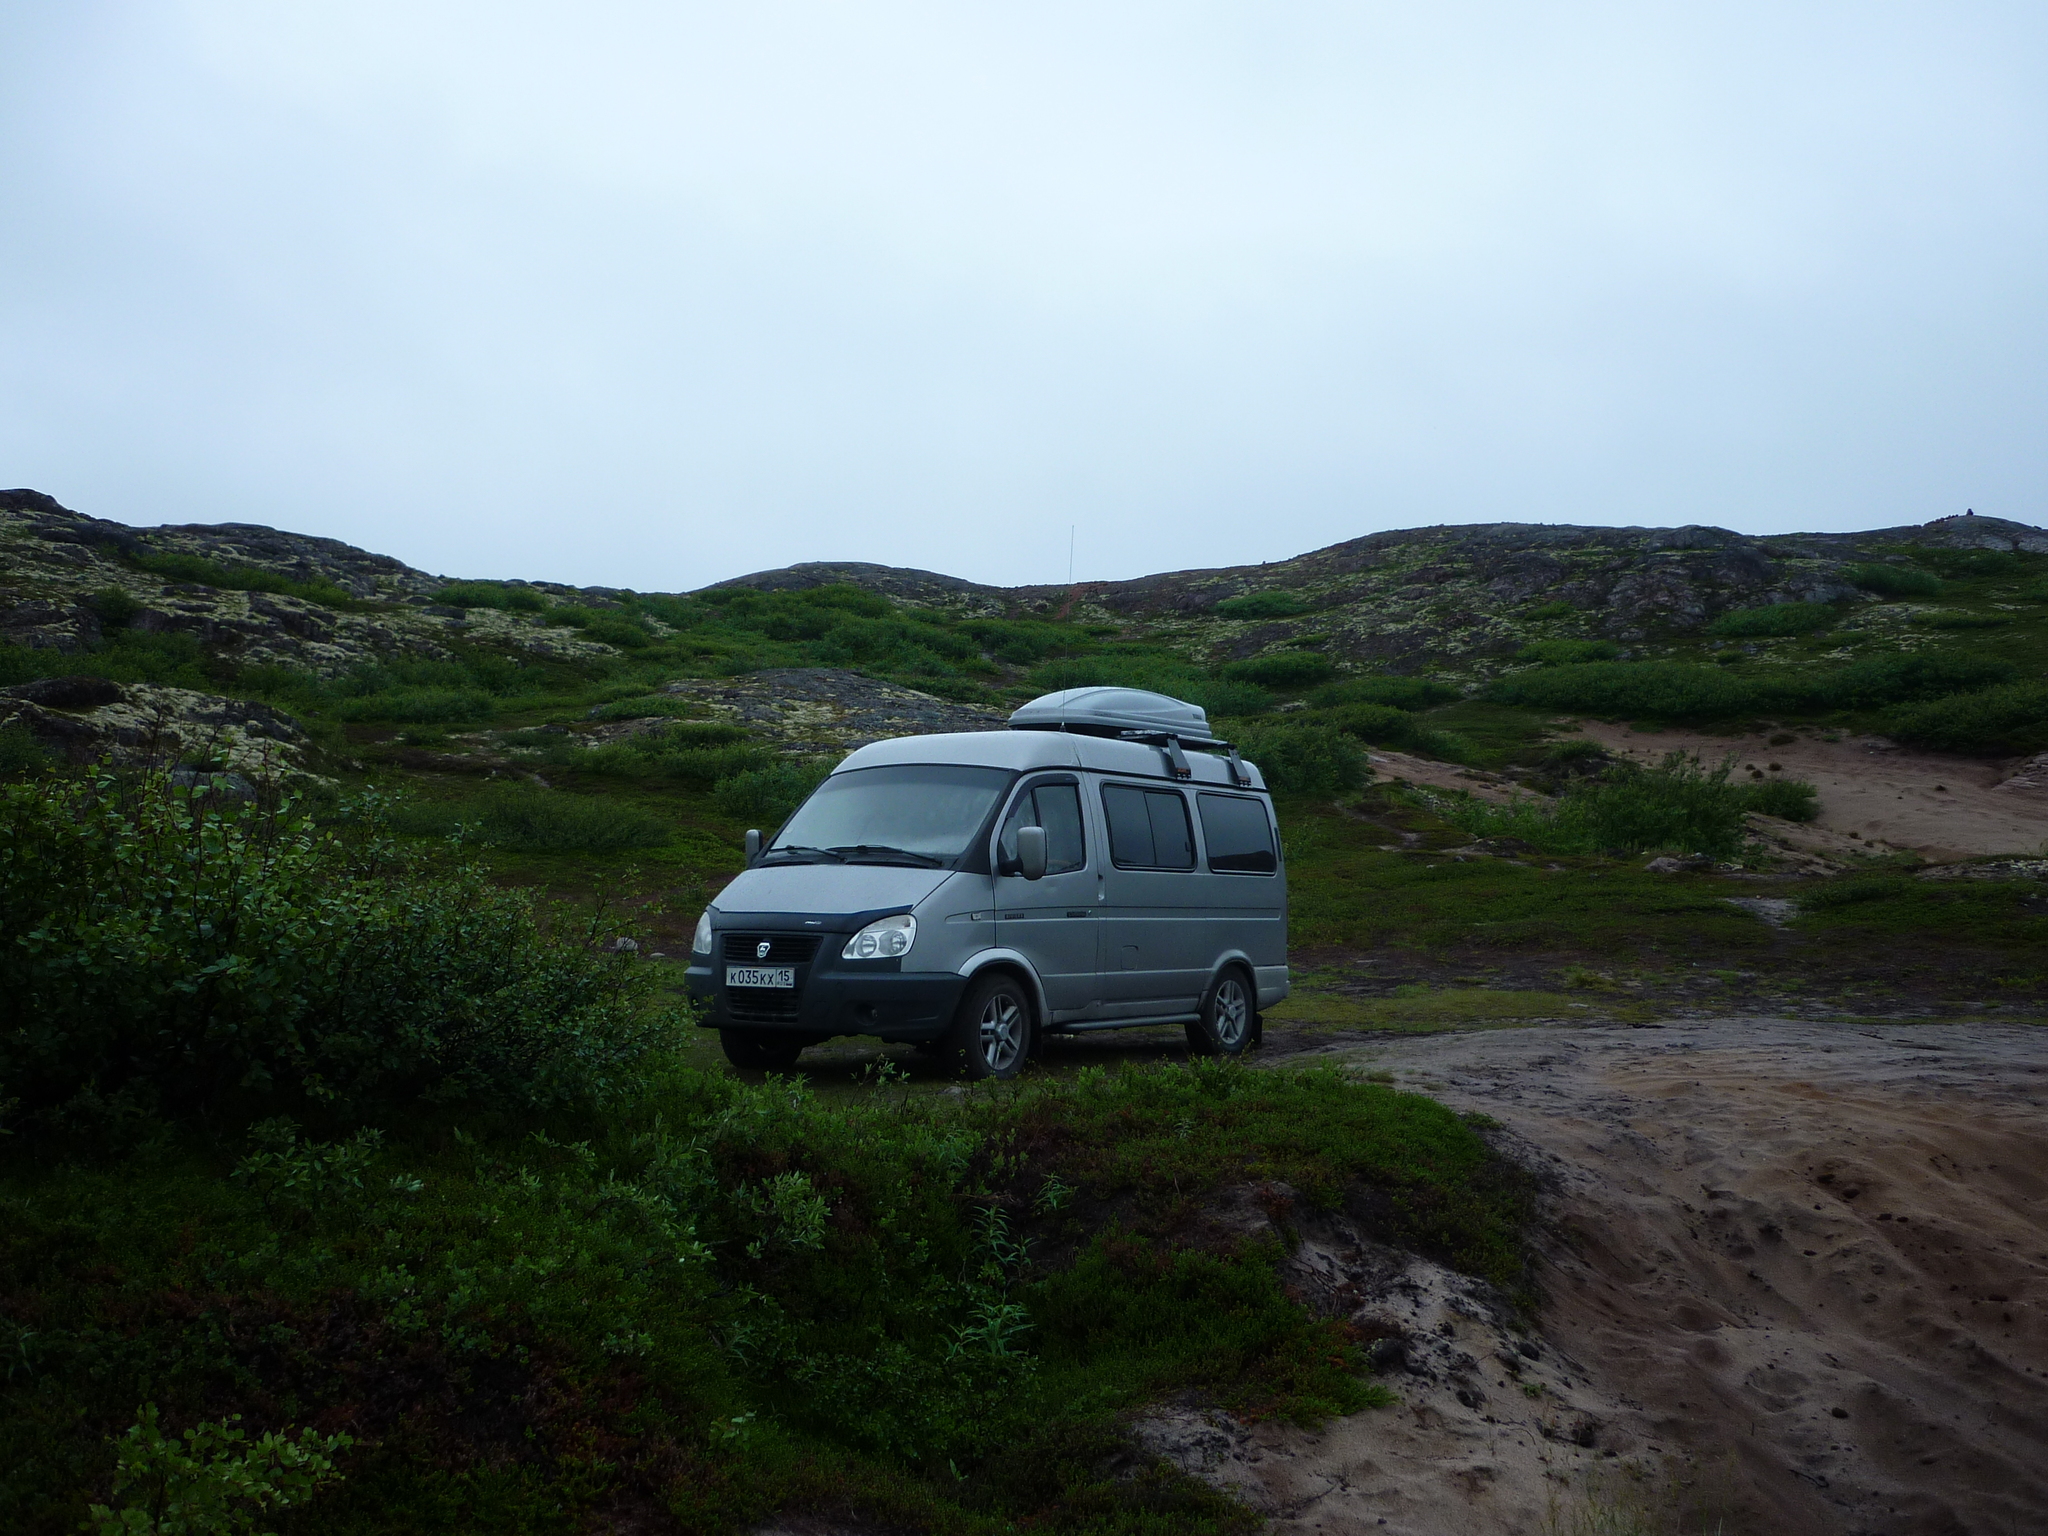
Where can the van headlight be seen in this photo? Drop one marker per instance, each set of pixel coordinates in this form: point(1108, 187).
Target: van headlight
point(700, 941)
point(883, 939)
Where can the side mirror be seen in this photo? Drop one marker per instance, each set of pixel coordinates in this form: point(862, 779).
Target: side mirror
point(1031, 852)
point(753, 844)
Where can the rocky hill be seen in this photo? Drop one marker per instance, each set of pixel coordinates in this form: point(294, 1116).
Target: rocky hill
point(1437, 597)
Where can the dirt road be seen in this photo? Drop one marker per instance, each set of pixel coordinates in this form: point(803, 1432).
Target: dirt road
point(1796, 1279)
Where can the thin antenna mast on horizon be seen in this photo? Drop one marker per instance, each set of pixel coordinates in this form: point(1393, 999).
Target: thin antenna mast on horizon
point(1070, 554)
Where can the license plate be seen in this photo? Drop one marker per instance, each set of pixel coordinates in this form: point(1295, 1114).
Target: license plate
point(760, 976)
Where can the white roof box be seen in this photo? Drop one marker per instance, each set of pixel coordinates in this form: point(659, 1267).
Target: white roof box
point(1112, 711)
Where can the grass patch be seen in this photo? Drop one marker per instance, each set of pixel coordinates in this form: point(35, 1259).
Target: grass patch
point(528, 819)
point(1262, 605)
point(247, 578)
point(1895, 580)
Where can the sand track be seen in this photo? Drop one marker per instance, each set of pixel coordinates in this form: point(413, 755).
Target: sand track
point(1796, 1271)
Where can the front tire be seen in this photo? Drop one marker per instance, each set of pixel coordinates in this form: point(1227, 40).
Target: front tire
point(759, 1051)
point(992, 1034)
point(1229, 1023)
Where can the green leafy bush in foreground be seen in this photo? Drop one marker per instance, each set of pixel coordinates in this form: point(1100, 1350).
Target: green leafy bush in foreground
point(1558, 653)
point(715, 1302)
point(768, 796)
point(1290, 671)
point(1679, 806)
point(161, 954)
point(1410, 693)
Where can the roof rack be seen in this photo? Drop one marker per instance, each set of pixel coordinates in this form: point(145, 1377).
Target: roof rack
point(1176, 759)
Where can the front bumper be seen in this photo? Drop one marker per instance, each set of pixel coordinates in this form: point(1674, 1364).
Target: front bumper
point(890, 1005)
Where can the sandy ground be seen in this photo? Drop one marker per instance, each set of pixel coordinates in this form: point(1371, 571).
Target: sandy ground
point(1796, 1279)
point(1930, 803)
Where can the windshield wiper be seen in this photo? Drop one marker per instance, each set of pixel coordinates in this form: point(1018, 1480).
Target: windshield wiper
point(880, 853)
point(798, 853)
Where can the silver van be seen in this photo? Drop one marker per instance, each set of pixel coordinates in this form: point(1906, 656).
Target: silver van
point(1103, 863)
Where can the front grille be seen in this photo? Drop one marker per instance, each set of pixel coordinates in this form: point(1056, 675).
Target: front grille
point(764, 1005)
point(783, 948)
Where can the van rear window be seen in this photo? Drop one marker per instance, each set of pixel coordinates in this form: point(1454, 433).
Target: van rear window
point(1240, 838)
point(1148, 828)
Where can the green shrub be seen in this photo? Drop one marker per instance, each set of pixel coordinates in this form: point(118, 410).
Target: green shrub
point(525, 818)
point(1262, 605)
point(1777, 619)
point(1684, 691)
point(212, 1482)
point(1568, 652)
point(20, 752)
point(1957, 619)
point(491, 594)
point(1991, 722)
point(419, 706)
point(1411, 693)
point(247, 578)
point(1970, 562)
point(2037, 593)
point(1792, 799)
point(1678, 806)
point(1664, 689)
point(171, 955)
point(1380, 724)
point(1856, 890)
point(1223, 699)
point(113, 607)
point(1895, 580)
point(1022, 642)
point(1553, 610)
point(1289, 671)
point(615, 629)
point(768, 796)
point(648, 705)
point(1306, 759)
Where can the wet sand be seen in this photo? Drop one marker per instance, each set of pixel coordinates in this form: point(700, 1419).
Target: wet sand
point(1795, 1276)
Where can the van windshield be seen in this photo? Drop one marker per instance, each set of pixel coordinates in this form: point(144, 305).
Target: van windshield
point(922, 814)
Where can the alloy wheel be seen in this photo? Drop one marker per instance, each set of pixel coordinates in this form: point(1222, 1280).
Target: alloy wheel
point(1002, 1032)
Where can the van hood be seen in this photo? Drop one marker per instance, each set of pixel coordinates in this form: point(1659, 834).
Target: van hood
point(824, 889)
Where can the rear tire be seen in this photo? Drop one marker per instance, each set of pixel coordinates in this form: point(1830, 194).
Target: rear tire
point(759, 1051)
point(1230, 1019)
point(992, 1033)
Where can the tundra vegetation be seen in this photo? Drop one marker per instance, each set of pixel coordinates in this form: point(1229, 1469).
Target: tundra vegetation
point(358, 1179)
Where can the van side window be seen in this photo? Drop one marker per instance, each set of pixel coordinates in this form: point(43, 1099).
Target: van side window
point(1148, 828)
point(1057, 808)
point(1240, 838)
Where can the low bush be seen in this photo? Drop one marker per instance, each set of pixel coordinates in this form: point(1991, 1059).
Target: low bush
point(2037, 593)
point(1958, 619)
point(1288, 671)
point(1970, 562)
point(1684, 691)
point(1262, 605)
point(419, 706)
point(609, 628)
point(929, 1313)
point(1679, 806)
point(247, 578)
point(1777, 619)
point(491, 594)
point(171, 955)
point(525, 818)
point(1991, 722)
point(113, 607)
point(1895, 580)
point(1568, 652)
point(1411, 693)
point(767, 796)
point(1380, 724)
point(1558, 609)
point(646, 706)
point(20, 752)
point(1306, 759)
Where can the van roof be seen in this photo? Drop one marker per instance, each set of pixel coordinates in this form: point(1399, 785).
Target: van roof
point(1026, 750)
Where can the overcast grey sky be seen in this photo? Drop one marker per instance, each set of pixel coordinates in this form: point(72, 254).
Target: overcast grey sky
point(656, 294)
